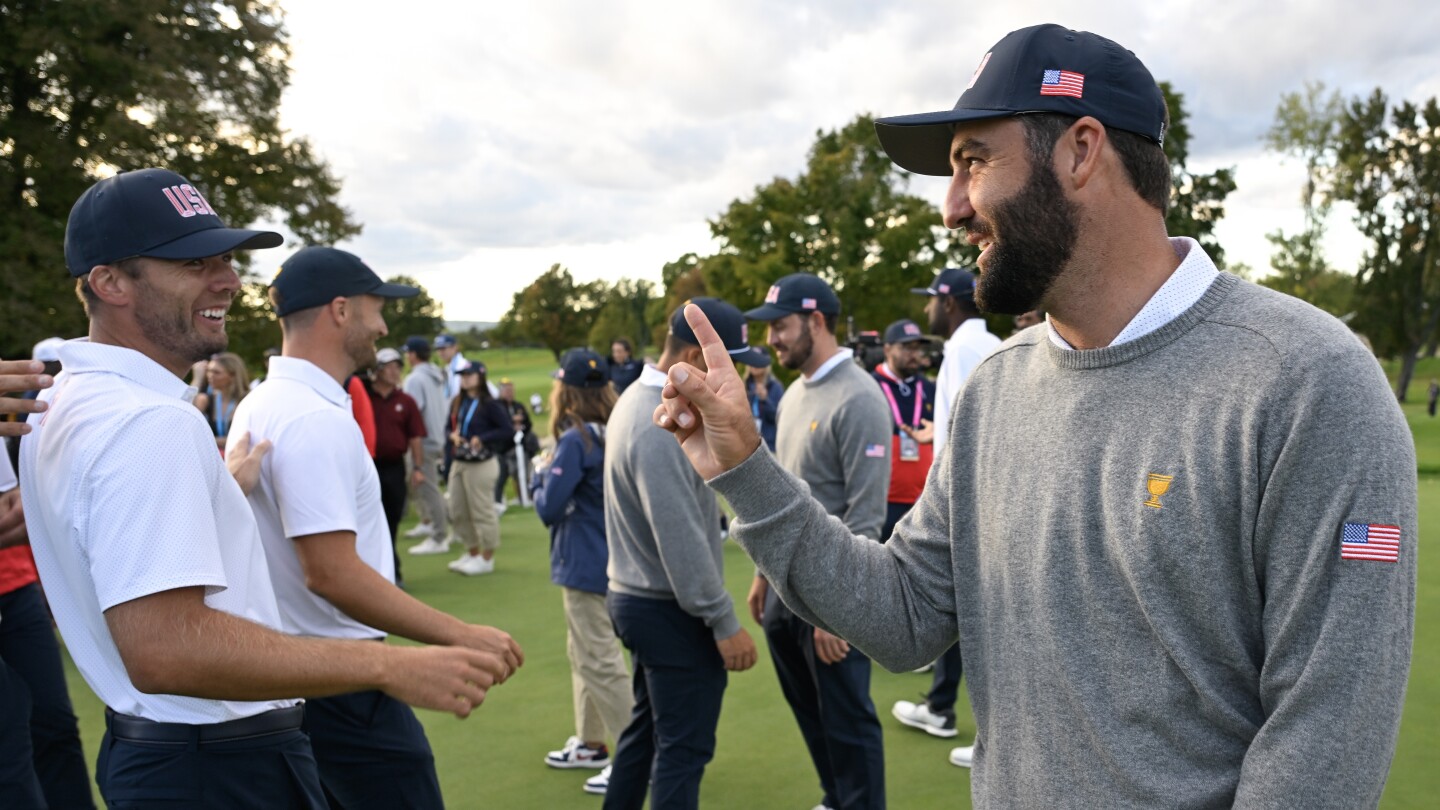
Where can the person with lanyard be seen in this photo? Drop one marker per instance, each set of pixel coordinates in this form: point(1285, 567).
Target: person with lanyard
point(911, 398)
point(225, 385)
point(480, 429)
point(764, 392)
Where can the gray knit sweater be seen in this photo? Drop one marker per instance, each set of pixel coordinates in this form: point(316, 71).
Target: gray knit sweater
point(661, 522)
point(823, 432)
point(1200, 647)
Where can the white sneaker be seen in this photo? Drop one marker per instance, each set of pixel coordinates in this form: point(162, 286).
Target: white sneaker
point(961, 757)
point(918, 715)
point(431, 546)
point(576, 754)
point(500, 507)
point(598, 783)
point(472, 565)
point(421, 530)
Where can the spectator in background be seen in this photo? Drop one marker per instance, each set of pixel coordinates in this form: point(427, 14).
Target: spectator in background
point(480, 430)
point(764, 392)
point(515, 463)
point(911, 398)
point(1434, 395)
point(624, 368)
point(264, 365)
point(570, 500)
point(226, 383)
point(426, 385)
point(399, 431)
point(363, 410)
point(1025, 320)
point(450, 360)
point(537, 404)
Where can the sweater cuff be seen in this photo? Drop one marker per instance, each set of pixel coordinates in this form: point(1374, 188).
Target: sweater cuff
point(726, 626)
point(758, 487)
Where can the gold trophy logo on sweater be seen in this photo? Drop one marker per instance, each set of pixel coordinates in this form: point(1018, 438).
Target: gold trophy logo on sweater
point(1157, 485)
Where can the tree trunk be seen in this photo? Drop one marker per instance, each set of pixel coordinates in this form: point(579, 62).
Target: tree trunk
point(1407, 370)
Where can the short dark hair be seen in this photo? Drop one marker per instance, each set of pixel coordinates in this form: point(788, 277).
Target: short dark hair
point(832, 321)
point(295, 320)
point(1143, 159)
point(624, 341)
point(87, 296)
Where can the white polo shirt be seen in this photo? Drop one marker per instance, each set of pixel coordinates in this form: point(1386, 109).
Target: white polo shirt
point(970, 344)
point(125, 496)
point(318, 478)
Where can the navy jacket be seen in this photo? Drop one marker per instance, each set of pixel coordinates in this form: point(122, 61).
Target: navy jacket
point(570, 500)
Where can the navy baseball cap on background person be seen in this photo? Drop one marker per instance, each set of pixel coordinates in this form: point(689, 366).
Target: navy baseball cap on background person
point(797, 292)
point(905, 331)
point(473, 367)
point(445, 341)
point(315, 276)
point(1043, 68)
point(583, 368)
point(956, 282)
point(416, 344)
point(150, 212)
point(729, 324)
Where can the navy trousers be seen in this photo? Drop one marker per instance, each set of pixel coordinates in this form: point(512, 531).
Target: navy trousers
point(680, 682)
point(272, 772)
point(372, 753)
point(832, 706)
point(394, 486)
point(35, 688)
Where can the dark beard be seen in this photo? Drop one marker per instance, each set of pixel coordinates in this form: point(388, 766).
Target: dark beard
point(799, 354)
point(1038, 229)
point(173, 330)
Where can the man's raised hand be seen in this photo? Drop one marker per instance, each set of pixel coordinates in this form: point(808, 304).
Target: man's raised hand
point(708, 411)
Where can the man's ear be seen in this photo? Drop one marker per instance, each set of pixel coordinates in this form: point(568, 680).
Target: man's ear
point(1078, 154)
point(111, 285)
point(340, 310)
point(695, 356)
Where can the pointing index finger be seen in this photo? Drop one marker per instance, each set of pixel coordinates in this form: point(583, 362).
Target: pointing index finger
point(716, 357)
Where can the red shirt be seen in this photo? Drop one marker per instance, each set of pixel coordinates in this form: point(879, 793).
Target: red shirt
point(17, 568)
point(397, 421)
point(364, 413)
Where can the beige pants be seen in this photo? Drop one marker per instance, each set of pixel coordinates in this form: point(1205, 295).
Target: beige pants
point(472, 504)
point(598, 678)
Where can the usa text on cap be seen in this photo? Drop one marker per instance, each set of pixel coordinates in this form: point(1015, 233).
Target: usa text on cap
point(150, 212)
point(904, 331)
point(797, 292)
point(1044, 68)
point(315, 276)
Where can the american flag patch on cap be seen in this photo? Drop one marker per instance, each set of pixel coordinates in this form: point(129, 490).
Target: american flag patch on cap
point(1370, 541)
point(807, 303)
point(875, 450)
point(1062, 83)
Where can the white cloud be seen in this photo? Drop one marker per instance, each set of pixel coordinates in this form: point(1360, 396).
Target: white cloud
point(480, 143)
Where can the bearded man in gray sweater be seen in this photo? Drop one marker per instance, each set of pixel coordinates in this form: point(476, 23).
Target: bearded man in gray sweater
point(1179, 557)
point(833, 433)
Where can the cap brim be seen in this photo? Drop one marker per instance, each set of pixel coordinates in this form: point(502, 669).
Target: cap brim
point(767, 312)
point(923, 291)
point(920, 143)
point(396, 291)
point(214, 242)
point(752, 357)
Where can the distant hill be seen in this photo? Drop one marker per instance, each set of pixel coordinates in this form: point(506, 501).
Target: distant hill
point(457, 327)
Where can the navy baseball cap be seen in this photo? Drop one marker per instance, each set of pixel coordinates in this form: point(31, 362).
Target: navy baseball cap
point(315, 276)
point(904, 331)
point(797, 292)
point(150, 212)
point(445, 341)
point(729, 324)
point(953, 281)
point(473, 367)
point(583, 368)
point(1044, 68)
point(416, 344)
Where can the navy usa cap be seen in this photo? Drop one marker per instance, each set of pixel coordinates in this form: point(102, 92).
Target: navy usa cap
point(315, 276)
point(956, 282)
point(797, 292)
point(150, 212)
point(583, 368)
point(1044, 68)
point(905, 331)
point(729, 324)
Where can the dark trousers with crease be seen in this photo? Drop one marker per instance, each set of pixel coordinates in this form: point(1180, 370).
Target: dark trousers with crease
point(832, 706)
point(372, 753)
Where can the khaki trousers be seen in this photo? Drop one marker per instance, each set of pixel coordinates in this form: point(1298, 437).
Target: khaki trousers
point(598, 678)
point(472, 504)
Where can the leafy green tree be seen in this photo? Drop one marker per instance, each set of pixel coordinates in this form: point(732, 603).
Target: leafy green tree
point(847, 218)
point(421, 315)
point(555, 311)
point(1389, 167)
point(1306, 127)
point(1197, 201)
point(90, 88)
point(623, 314)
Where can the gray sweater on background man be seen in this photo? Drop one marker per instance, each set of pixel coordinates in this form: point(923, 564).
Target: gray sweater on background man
point(1140, 553)
point(834, 434)
point(426, 385)
point(661, 522)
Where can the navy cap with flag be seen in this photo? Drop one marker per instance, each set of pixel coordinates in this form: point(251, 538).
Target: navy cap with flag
point(315, 276)
point(797, 292)
point(444, 341)
point(1043, 68)
point(583, 368)
point(905, 331)
point(956, 282)
point(729, 324)
point(472, 367)
point(150, 212)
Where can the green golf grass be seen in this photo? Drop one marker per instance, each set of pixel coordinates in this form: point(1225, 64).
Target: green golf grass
point(494, 758)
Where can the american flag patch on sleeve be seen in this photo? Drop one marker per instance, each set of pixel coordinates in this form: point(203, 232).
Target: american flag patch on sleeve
point(1379, 542)
point(875, 450)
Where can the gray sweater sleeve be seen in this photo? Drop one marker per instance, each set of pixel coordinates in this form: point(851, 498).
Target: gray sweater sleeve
point(670, 494)
point(1337, 632)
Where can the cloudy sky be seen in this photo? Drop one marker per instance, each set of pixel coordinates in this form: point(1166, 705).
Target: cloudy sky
point(479, 143)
